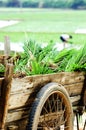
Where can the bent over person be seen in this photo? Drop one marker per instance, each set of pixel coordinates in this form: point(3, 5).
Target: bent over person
point(65, 38)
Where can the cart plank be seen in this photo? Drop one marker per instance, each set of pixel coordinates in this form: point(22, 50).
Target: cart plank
point(23, 92)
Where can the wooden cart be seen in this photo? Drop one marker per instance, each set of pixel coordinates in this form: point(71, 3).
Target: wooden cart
point(41, 102)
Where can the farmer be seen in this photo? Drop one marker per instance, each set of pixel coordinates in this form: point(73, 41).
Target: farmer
point(65, 39)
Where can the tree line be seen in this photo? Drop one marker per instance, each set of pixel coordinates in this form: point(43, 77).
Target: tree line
point(73, 4)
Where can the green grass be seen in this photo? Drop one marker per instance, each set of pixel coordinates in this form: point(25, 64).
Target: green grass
point(40, 37)
point(42, 24)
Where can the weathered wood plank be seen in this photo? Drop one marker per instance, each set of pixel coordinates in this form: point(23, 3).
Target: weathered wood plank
point(17, 114)
point(18, 125)
point(74, 89)
point(21, 113)
point(22, 88)
point(34, 81)
point(21, 98)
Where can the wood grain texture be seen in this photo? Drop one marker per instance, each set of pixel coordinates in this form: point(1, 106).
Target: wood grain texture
point(23, 92)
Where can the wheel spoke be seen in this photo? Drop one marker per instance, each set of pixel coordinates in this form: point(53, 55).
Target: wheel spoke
point(53, 110)
point(49, 103)
point(54, 119)
point(54, 116)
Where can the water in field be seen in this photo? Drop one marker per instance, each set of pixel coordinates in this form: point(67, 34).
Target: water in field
point(16, 47)
point(4, 23)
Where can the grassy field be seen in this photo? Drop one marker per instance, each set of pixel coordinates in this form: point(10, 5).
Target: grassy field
point(43, 25)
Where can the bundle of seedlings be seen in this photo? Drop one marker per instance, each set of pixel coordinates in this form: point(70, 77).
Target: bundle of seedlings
point(78, 60)
point(45, 60)
point(38, 60)
point(71, 59)
point(35, 59)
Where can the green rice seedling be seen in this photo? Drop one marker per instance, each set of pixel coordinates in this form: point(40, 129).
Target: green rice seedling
point(78, 60)
point(31, 61)
point(62, 58)
point(38, 60)
point(38, 68)
point(62, 54)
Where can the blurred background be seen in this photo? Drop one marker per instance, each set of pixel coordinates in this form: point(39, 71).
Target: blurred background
point(42, 20)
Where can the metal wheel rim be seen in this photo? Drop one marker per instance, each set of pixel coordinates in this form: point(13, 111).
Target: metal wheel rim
point(55, 113)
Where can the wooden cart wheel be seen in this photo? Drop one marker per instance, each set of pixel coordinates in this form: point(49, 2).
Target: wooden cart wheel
point(51, 109)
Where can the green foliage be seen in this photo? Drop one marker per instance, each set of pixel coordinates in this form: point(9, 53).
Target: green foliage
point(30, 3)
point(63, 57)
point(32, 60)
point(75, 4)
point(78, 60)
point(38, 60)
point(44, 60)
point(2, 69)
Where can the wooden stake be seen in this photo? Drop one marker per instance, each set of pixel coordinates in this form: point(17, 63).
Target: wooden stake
point(7, 46)
point(6, 87)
